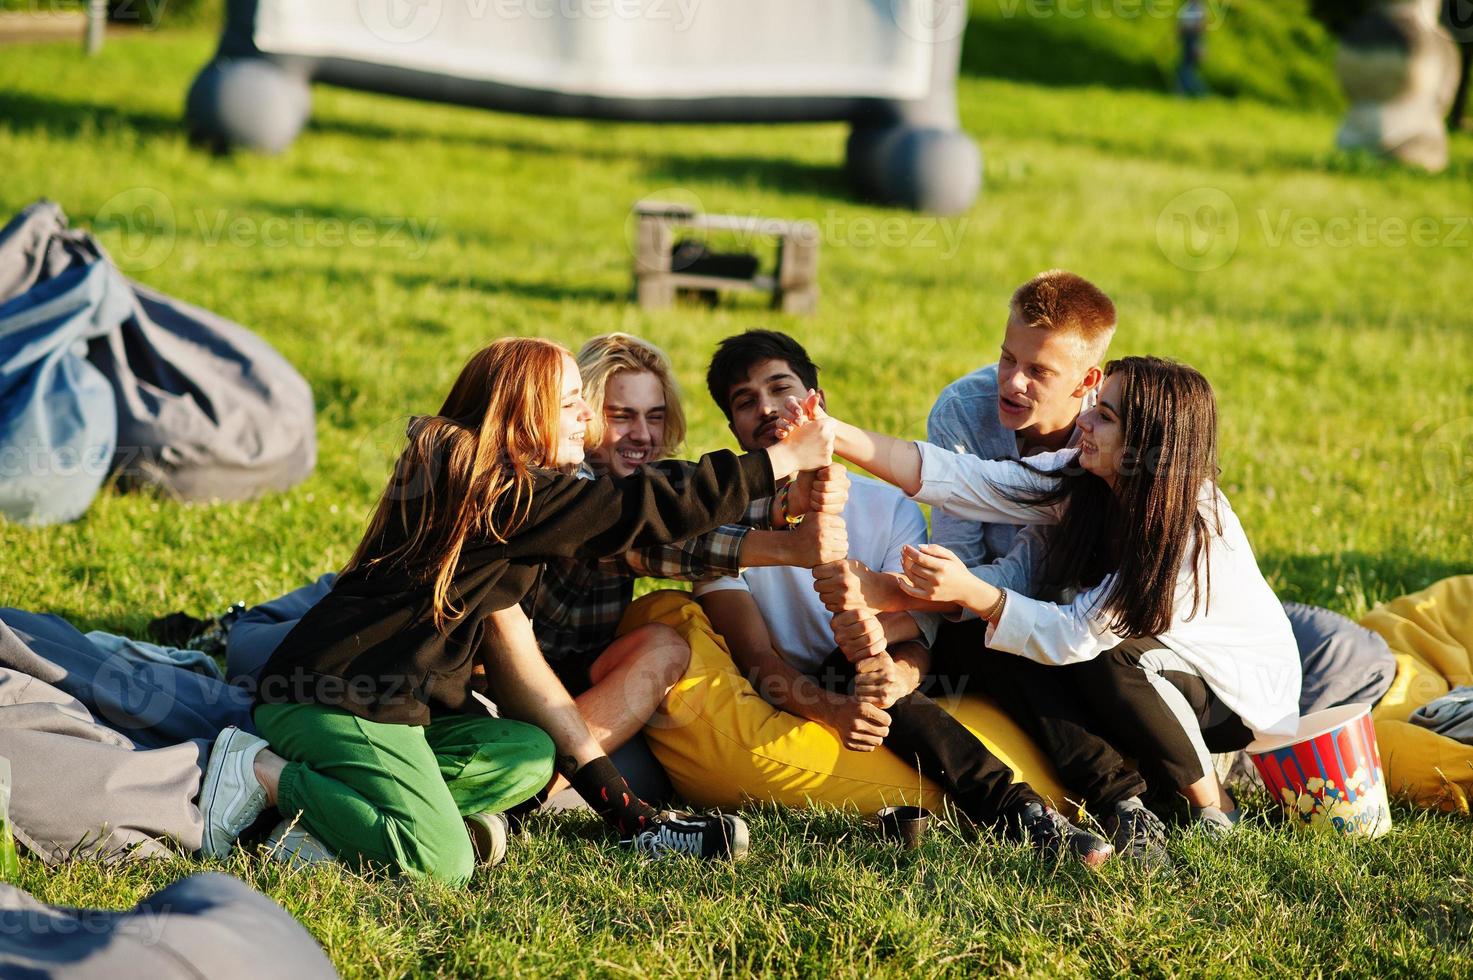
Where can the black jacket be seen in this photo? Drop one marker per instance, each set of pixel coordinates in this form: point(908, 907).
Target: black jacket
point(370, 646)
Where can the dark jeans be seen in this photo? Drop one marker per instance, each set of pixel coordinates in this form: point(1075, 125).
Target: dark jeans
point(1052, 704)
point(925, 736)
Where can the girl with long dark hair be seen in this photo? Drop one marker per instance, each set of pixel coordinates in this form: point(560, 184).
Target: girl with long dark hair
point(1191, 649)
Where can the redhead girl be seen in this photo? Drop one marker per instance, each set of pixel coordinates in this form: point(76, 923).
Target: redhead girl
point(376, 741)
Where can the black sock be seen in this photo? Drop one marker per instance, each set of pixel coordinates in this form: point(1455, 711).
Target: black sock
point(600, 784)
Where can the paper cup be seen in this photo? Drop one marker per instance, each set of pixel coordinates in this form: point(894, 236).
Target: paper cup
point(1328, 774)
point(906, 824)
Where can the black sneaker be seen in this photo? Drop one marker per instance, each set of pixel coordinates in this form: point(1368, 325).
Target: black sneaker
point(1138, 834)
point(720, 836)
point(1054, 837)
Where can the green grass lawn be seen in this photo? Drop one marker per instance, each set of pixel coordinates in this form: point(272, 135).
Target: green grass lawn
point(1325, 296)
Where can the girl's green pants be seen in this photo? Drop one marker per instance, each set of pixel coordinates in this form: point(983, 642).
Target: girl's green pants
point(393, 795)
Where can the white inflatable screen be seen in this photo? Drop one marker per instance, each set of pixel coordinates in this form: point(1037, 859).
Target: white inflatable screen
point(654, 49)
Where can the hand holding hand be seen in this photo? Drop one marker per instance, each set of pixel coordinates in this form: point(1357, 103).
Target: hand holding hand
point(803, 445)
point(862, 725)
point(858, 633)
point(823, 490)
point(844, 585)
point(819, 540)
point(881, 681)
point(935, 573)
point(795, 412)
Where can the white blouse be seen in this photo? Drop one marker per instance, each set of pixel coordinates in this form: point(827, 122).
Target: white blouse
point(1240, 641)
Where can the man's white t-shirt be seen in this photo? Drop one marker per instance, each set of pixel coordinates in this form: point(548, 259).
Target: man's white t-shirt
point(880, 520)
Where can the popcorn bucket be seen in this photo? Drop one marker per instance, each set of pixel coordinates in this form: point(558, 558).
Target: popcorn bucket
point(1328, 774)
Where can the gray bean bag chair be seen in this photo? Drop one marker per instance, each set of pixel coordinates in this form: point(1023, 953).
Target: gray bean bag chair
point(202, 408)
point(204, 927)
point(888, 67)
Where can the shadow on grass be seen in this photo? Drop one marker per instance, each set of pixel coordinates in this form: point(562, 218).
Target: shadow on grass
point(554, 292)
point(774, 172)
point(65, 118)
point(1336, 580)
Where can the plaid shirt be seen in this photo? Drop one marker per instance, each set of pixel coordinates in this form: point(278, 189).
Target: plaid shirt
point(576, 607)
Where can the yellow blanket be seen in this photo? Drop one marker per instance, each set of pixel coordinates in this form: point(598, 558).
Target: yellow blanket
point(1431, 633)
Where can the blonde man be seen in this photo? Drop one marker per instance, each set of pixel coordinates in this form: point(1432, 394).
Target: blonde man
point(637, 417)
point(618, 682)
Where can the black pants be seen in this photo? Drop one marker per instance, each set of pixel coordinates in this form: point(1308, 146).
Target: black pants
point(1155, 726)
point(1054, 705)
point(925, 736)
point(1088, 717)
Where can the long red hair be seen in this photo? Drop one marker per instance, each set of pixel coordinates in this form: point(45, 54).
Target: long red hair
point(466, 471)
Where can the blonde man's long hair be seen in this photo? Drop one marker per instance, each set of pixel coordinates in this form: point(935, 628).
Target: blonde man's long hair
point(466, 471)
point(607, 355)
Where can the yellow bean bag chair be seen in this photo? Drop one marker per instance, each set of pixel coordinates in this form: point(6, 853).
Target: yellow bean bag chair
point(723, 745)
point(1431, 633)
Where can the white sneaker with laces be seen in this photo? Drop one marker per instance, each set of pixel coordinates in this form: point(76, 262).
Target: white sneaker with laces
point(231, 797)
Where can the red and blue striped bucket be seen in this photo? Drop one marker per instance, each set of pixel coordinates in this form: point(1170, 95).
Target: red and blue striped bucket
point(1328, 775)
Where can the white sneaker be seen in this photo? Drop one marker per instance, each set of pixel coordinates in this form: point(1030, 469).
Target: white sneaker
point(488, 837)
point(291, 844)
point(231, 797)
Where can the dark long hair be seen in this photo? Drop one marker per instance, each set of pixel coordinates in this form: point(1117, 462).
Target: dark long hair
point(1141, 529)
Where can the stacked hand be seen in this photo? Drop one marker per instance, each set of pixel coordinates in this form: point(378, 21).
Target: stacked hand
point(847, 584)
point(821, 491)
point(880, 680)
point(858, 633)
point(862, 725)
point(819, 540)
point(806, 444)
point(819, 495)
